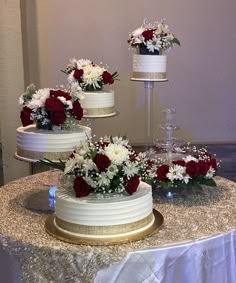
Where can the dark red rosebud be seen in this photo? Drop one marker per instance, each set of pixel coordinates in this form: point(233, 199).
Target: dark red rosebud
point(102, 162)
point(81, 187)
point(161, 173)
point(77, 110)
point(107, 78)
point(147, 34)
point(53, 104)
point(179, 162)
point(192, 168)
point(58, 118)
point(78, 73)
point(213, 163)
point(203, 167)
point(131, 184)
point(25, 116)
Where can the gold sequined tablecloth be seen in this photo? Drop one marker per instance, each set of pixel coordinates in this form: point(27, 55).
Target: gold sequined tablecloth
point(46, 259)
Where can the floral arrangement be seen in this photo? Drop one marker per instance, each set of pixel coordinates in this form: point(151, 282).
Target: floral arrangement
point(109, 165)
point(152, 38)
point(51, 107)
point(89, 75)
point(193, 170)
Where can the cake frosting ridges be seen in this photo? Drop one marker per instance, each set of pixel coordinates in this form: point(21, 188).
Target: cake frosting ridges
point(98, 103)
point(36, 144)
point(92, 210)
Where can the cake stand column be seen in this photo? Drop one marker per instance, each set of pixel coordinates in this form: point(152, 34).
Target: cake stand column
point(149, 86)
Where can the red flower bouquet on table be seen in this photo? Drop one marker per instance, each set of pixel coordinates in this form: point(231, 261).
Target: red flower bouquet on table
point(196, 168)
point(50, 108)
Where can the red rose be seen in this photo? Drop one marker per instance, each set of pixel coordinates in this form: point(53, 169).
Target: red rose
point(56, 93)
point(131, 184)
point(203, 167)
point(179, 162)
point(53, 104)
point(25, 116)
point(147, 34)
point(213, 163)
point(107, 78)
point(102, 162)
point(161, 173)
point(81, 187)
point(192, 168)
point(77, 110)
point(58, 118)
point(78, 73)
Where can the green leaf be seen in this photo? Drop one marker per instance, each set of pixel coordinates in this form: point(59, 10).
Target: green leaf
point(176, 41)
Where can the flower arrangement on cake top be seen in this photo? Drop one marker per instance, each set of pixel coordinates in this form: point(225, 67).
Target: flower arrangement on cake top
point(152, 38)
point(109, 165)
point(196, 168)
point(88, 75)
point(50, 108)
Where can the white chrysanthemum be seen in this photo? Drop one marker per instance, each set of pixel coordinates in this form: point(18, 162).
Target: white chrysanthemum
point(112, 170)
point(41, 94)
point(120, 140)
point(190, 158)
point(176, 172)
point(103, 180)
point(92, 75)
point(130, 169)
point(35, 104)
point(73, 163)
point(117, 153)
point(83, 148)
point(138, 31)
point(76, 90)
point(81, 63)
point(210, 173)
point(153, 44)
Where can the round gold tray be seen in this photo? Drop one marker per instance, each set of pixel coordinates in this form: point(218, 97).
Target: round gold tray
point(63, 236)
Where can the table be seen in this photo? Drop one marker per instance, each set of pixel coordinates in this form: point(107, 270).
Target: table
point(198, 235)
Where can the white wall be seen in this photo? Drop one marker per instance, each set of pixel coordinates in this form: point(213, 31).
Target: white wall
point(11, 84)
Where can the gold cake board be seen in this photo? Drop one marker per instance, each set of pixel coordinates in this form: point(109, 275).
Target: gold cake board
point(52, 230)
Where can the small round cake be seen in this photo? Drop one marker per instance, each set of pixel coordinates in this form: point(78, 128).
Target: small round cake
point(34, 144)
point(98, 103)
point(149, 67)
point(109, 217)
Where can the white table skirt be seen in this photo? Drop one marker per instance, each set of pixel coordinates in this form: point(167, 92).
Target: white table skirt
point(211, 260)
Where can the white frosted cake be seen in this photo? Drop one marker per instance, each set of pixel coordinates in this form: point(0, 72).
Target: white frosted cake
point(98, 103)
point(35, 144)
point(104, 216)
point(149, 67)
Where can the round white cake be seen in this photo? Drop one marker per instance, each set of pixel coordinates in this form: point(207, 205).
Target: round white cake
point(149, 67)
point(34, 144)
point(98, 103)
point(104, 216)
